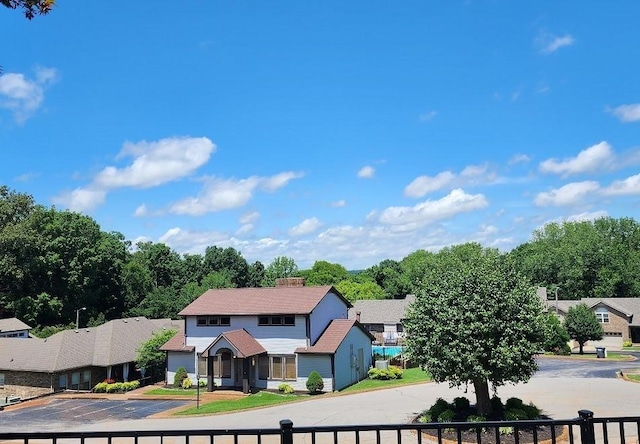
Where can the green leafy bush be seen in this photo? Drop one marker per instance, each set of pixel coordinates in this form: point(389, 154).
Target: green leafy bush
point(514, 414)
point(315, 384)
point(627, 344)
point(438, 407)
point(393, 372)
point(100, 387)
point(497, 406)
point(514, 403)
point(477, 418)
point(186, 383)
point(131, 385)
point(116, 387)
point(285, 388)
point(202, 383)
point(461, 404)
point(425, 417)
point(447, 416)
point(181, 374)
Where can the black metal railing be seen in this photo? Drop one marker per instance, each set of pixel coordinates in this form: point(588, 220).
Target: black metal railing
point(585, 429)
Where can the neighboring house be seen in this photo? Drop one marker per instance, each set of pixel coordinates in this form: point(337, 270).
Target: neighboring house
point(13, 328)
point(383, 318)
point(262, 337)
point(75, 359)
point(620, 318)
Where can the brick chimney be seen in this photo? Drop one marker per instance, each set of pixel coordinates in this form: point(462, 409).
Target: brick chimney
point(290, 282)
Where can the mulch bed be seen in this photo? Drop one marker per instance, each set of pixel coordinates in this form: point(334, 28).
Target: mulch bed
point(525, 436)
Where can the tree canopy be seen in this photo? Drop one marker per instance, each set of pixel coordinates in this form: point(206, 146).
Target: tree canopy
point(149, 355)
point(476, 321)
point(30, 8)
point(582, 325)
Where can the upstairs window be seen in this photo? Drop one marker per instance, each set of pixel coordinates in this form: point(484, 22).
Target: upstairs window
point(602, 315)
point(276, 320)
point(212, 321)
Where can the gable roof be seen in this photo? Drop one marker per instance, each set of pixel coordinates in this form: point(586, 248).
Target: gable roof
point(177, 343)
point(242, 342)
point(114, 342)
point(626, 306)
point(333, 336)
point(381, 311)
point(12, 324)
point(257, 301)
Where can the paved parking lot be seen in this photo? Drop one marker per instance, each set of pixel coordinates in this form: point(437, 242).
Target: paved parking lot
point(74, 412)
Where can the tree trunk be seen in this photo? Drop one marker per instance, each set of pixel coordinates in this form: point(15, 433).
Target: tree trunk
point(483, 403)
point(581, 346)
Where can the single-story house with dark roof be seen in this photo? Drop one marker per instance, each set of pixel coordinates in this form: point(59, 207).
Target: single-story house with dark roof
point(75, 359)
point(620, 318)
point(383, 318)
point(13, 328)
point(262, 337)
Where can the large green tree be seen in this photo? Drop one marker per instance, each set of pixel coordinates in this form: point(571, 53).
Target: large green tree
point(476, 321)
point(582, 325)
point(325, 273)
point(149, 355)
point(280, 267)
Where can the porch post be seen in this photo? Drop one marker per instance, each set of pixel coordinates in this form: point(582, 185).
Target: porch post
point(125, 372)
point(209, 373)
point(108, 372)
point(245, 375)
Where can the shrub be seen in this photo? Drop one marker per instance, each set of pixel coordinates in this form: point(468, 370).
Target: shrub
point(285, 388)
point(202, 383)
point(396, 372)
point(181, 374)
point(424, 417)
point(315, 384)
point(505, 430)
point(186, 383)
point(131, 385)
point(514, 403)
point(531, 411)
point(514, 414)
point(477, 418)
point(447, 416)
point(461, 403)
point(100, 387)
point(438, 407)
point(627, 344)
point(115, 387)
point(496, 406)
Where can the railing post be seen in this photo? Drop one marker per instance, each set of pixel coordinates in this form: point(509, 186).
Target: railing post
point(286, 431)
point(587, 430)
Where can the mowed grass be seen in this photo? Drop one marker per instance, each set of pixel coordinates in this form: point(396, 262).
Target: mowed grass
point(172, 392)
point(261, 399)
point(633, 377)
point(410, 376)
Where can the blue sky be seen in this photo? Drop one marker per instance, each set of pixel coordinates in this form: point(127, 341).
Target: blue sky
point(350, 132)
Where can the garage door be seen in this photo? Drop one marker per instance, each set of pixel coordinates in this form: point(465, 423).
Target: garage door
point(610, 342)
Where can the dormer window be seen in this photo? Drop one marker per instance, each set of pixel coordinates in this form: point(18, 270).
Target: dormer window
point(276, 320)
point(602, 315)
point(212, 321)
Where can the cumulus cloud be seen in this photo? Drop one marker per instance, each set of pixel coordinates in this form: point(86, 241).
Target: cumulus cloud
point(158, 162)
point(592, 159)
point(305, 227)
point(81, 199)
point(568, 195)
point(249, 218)
point(141, 211)
point(470, 175)
point(627, 113)
point(339, 203)
point(548, 43)
point(593, 215)
point(628, 186)
point(223, 194)
point(429, 211)
point(366, 172)
point(519, 158)
point(23, 96)
point(428, 116)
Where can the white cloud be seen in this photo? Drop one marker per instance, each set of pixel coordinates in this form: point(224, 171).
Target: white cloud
point(519, 158)
point(429, 211)
point(366, 172)
point(549, 43)
point(81, 199)
point(628, 186)
point(307, 226)
point(244, 229)
point(568, 195)
point(592, 159)
point(158, 162)
point(428, 116)
point(422, 185)
point(141, 211)
point(627, 113)
point(470, 175)
point(339, 203)
point(249, 218)
point(23, 96)
point(224, 194)
point(586, 216)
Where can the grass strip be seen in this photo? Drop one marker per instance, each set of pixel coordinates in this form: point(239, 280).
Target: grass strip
point(261, 399)
point(410, 376)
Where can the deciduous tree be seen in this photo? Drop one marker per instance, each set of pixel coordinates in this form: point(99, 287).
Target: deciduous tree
point(475, 321)
point(582, 325)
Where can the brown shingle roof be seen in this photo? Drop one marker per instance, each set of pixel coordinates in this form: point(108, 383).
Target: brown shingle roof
point(12, 324)
point(244, 344)
point(177, 344)
point(333, 336)
point(257, 301)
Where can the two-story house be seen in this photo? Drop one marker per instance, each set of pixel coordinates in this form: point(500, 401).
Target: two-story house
point(262, 337)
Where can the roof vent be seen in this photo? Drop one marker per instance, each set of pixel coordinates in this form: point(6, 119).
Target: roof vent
point(290, 282)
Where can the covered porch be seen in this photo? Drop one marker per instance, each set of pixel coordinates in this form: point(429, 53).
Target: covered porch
point(231, 361)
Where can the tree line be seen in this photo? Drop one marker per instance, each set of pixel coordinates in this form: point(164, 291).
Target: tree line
point(55, 262)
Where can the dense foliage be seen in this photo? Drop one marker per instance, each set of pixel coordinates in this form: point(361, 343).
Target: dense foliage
point(476, 321)
point(149, 356)
point(315, 384)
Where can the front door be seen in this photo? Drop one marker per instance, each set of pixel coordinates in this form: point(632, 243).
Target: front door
point(238, 363)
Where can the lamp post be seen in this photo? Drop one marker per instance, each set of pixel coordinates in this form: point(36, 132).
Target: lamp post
point(557, 300)
point(78, 316)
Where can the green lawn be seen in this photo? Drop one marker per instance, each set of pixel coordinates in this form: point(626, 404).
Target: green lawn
point(172, 392)
point(410, 376)
point(260, 399)
point(633, 348)
point(633, 377)
point(611, 356)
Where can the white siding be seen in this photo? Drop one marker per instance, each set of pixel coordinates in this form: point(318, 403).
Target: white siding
point(347, 366)
point(329, 308)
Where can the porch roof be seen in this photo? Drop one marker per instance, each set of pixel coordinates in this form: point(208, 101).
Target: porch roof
point(240, 341)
